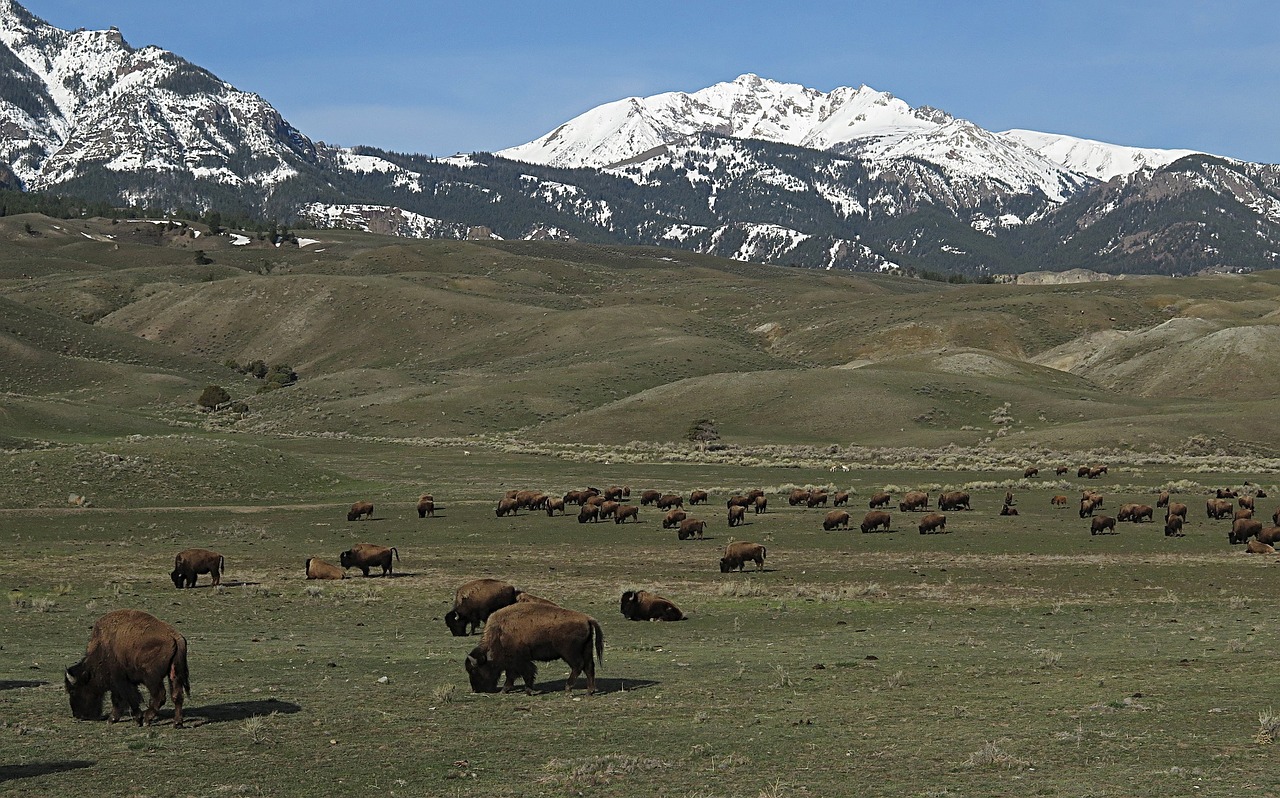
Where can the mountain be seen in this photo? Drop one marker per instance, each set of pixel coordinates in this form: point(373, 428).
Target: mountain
point(751, 169)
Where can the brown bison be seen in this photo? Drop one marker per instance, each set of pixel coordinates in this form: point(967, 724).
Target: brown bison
point(955, 500)
point(128, 648)
point(1082, 471)
point(1243, 512)
point(840, 499)
point(588, 512)
point(518, 637)
point(1088, 505)
point(1008, 498)
point(1135, 513)
point(797, 497)
point(626, 511)
point(874, 520)
point(1243, 529)
point(691, 527)
point(673, 518)
point(524, 597)
point(1006, 509)
point(761, 504)
point(880, 499)
point(190, 562)
point(607, 509)
point(1218, 508)
point(1269, 535)
point(737, 515)
point(649, 497)
point(737, 554)
point(1258, 547)
point(595, 500)
point(319, 569)
point(669, 500)
point(699, 497)
point(367, 555)
point(475, 601)
point(614, 494)
point(1097, 471)
point(1102, 523)
point(1058, 501)
point(1029, 472)
point(1173, 526)
point(506, 507)
point(1246, 502)
point(577, 497)
point(1163, 499)
point(817, 498)
point(426, 506)
point(1060, 470)
point(738, 500)
point(933, 523)
point(1225, 493)
point(835, 519)
point(554, 504)
point(915, 500)
point(641, 605)
point(360, 510)
point(1177, 508)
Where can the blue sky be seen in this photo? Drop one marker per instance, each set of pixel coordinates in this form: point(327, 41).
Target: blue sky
point(442, 77)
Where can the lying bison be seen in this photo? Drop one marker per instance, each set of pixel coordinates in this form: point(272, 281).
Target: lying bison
point(932, 523)
point(517, 637)
point(737, 554)
point(691, 527)
point(475, 601)
point(319, 569)
point(360, 510)
point(874, 520)
point(426, 506)
point(1258, 547)
point(641, 605)
point(367, 555)
point(1006, 509)
point(190, 562)
point(1102, 523)
point(836, 519)
point(128, 648)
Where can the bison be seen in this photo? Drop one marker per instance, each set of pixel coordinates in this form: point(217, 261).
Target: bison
point(737, 515)
point(1029, 472)
point(915, 500)
point(608, 508)
point(554, 504)
point(691, 527)
point(1242, 529)
point(932, 523)
point(1246, 502)
point(738, 500)
point(360, 510)
point(519, 636)
point(1225, 493)
point(1173, 526)
point(1163, 499)
point(1097, 471)
point(1135, 513)
point(737, 554)
point(1218, 508)
point(506, 506)
point(626, 511)
point(1177, 508)
point(614, 494)
point(835, 519)
point(673, 518)
point(1006, 509)
point(190, 562)
point(699, 497)
point(669, 500)
point(1060, 470)
point(874, 520)
point(1258, 547)
point(367, 555)
point(426, 506)
point(1088, 505)
point(760, 505)
point(649, 497)
point(128, 648)
point(319, 569)
point(1269, 534)
point(1058, 501)
point(641, 605)
point(955, 500)
point(880, 499)
point(817, 498)
point(1243, 512)
point(1082, 471)
point(475, 601)
point(588, 512)
point(840, 499)
point(797, 497)
point(1102, 523)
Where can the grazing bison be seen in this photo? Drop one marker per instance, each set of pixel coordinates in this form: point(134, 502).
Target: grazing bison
point(737, 515)
point(699, 497)
point(1102, 523)
point(319, 569)
point(955, 500)
point(641, 605)
point(1258, 547)
point(915, 500)
point(1058, 501)
point(607, 509)
point(626, 511)
point(588, 512)
point(426, 506)
point(880, 499)
point(1008, 510)
point(797, 497)
point(190, 562)
point(667, 501)
point(475, 601)
point(1163, 499)
point(649, 497)
point(367, 555)
point(874, 520)
point(817, 498)
point(1088, 505)
point(1135, 513)
point(506, 507)
point(761, 504)
point(519, 636)
point(1243, 529)
point(673, 518)
point(933, 523)
point(691, 527)
point(1218, 508)
point(737, 554)
point(835, 519)
point(128, 648)
point(1029, 472)
point(577, 497)
point(1246, 502)
point(1173, 526)
point(1060, 470)
point(554, 504)
point(840, 499)
point(360, 510)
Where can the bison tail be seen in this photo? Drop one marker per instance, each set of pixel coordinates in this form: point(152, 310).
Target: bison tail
point(598, 633)
point(178, 674)
point(395, 552)
point(222, 564)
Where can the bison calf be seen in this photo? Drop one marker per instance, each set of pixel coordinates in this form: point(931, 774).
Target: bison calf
point(128, 648)
point(641, 605)
point(517, 637)
point(190, 562)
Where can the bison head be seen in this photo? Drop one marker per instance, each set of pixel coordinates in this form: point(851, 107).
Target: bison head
point(86, 697)
point(628, 603)
point(725, 565)
point(456, 623)
point(178, 579)
point(483, 673)
point(346, 559)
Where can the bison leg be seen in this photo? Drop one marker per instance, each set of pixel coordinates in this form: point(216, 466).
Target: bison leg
point(217, 577)
point(125, 696)
point(157, 701)
point(364, 569)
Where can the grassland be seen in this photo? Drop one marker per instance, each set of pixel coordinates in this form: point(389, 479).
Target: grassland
point(1013, 656)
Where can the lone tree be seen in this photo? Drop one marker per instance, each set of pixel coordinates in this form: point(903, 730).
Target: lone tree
point(703, 431)
point(213, 397)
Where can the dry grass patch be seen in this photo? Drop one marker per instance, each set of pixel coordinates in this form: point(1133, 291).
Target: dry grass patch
point(594, 771)
point(992, 755)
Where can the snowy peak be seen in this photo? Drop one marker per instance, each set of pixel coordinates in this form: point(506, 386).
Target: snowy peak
point(1096, 159)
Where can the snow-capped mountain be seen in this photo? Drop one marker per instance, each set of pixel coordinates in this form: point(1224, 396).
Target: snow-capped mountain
point(73, 103)
point(1096, 159)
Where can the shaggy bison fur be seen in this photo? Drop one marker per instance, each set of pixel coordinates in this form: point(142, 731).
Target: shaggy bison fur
point(523, 634)
point(128, 648)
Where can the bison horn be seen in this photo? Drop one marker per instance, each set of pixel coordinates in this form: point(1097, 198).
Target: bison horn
point(71, 680)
